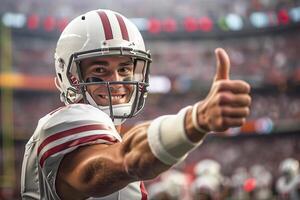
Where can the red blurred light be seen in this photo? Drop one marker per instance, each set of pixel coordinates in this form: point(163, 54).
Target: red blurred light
point(49, 24)
point(33, 22)
point(190, 24)
point(205, 24)
point(154, 26)
point(169, 25)
point(249, 184)
point(283, 17)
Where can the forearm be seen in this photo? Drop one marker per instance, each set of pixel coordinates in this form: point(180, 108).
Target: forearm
point(177, 135)
point(139, 160)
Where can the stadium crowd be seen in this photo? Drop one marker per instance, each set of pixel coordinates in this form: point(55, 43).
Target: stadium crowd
point(240, 167)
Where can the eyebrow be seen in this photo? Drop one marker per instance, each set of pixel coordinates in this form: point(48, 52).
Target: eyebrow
point(129, 62)
point(105, 63)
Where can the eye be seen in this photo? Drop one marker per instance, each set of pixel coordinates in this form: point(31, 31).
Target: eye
point(125, 70)
point(99, 69)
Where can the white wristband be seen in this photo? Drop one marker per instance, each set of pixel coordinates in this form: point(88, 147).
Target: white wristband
point(195, 119)
point(167, 138)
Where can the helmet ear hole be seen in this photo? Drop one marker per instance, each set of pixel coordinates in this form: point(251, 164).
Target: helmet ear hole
point(60, 77)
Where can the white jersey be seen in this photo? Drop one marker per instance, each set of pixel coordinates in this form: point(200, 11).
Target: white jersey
point(59, 133)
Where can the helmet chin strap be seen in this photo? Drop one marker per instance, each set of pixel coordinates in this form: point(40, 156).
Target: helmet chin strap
point(119, 109)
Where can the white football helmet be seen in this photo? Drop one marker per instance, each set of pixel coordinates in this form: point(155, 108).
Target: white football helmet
point(100, 33)
point(207, 167)
point(289, 167)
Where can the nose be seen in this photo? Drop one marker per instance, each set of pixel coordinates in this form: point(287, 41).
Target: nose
point(114, 76)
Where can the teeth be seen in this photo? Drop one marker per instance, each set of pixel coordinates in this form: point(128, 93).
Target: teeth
point(112, 97)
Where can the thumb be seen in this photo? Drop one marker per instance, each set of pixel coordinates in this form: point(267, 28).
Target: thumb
point(223, 64)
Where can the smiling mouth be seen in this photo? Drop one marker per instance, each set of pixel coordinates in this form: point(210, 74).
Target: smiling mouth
point(113, 97)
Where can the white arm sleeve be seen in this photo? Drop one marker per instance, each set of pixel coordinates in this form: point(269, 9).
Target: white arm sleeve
point(67, 129)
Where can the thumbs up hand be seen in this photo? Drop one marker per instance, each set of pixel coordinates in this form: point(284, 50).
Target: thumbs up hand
point(227, 104)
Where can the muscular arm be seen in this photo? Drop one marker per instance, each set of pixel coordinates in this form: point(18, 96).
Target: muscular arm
point(99, 170)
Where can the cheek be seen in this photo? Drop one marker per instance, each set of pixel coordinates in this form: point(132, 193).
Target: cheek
point(129, 87)
point(92, 88)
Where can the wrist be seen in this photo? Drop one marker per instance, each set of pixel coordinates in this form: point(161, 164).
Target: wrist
point(168, 140)
point(195, 130)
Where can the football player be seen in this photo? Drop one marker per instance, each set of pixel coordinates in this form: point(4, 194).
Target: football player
point(102, 73)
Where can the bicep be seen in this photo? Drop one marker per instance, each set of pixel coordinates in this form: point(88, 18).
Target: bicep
point(92, 170)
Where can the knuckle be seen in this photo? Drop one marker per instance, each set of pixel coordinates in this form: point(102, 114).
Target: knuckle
point(245, 100)
point(221, 85)
point(225, 111)
point(244, 86)
point(249, 100)
point(219, 123)
point(222, 98)
point(225, 122)
point(243, 121)
point(240, 122)
point(219, 112)
point(248, 87)
point(222, 111)
point(247, 111)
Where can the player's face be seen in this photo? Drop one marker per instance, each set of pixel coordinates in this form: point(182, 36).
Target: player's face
point(116, 68)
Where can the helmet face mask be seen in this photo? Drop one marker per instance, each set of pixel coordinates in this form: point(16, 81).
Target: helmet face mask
point(80, 41)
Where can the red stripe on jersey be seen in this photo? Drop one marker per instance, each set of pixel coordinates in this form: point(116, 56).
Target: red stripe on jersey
point(74, 143)
point(123, 27)
point(72, 131)
point(143, 191)
point(106, 25)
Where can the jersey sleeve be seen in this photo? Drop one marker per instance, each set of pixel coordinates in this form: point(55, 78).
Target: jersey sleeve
point(68, 128)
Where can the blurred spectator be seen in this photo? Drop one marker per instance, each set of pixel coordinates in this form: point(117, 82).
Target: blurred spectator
point(263, 182)
point(209, 180)
point(238, 179)
point(173, 185)
point(288, 184)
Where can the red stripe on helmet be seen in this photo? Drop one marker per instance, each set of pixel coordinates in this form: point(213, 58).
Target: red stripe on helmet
point(123, 27)
point(106, 25)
